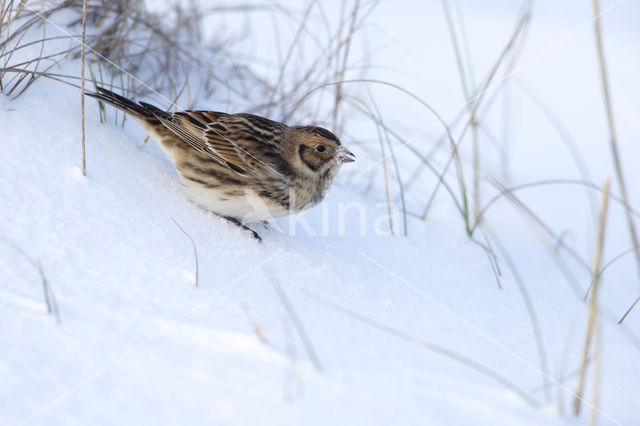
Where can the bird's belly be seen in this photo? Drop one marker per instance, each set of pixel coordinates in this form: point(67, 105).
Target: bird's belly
point(241, 203)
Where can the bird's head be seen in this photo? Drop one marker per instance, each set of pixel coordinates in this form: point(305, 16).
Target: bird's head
point(318, 152)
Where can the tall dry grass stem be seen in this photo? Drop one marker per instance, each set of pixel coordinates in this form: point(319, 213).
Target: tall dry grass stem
point(613, 140)
point(49, 296)
point(82, 78)
point(403, 335)
point(531, 311)
point(297, 323)
point(593, 315)
point(195, 252)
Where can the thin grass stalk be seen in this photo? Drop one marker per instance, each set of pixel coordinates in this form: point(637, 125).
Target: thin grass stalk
point(52, 76)
point(613, 141)
point(454, 147)
point(429, 155)
point(475, 365)
point(491, 256)
point(477, 100)
point(509, 192)
point(628, 311)
point(531, 311)
point(566, 271)
point(597, 375)
point(469, 104)
point(523, 208)
point(292, 354)
point(394, 161)
point(456, 50)
point(40, 55)
point(626, 331)
point(506, 107)
point(5, 9)
point(592, 318)
point(22, 4)
point(295, 319)
point(564, 363)
point(320, 70)
point(345, 58)
point(382, 131)
point(385, 174)
point(255, 325)
point(195, 250)
point(82, 65)
point(569, 142)
point(126, 19)
point(291, 49)
point(365, 109)
point(49, 296)
point(507, 123)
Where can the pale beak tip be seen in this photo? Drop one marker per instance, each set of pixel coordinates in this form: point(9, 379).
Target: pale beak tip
point(345, 156)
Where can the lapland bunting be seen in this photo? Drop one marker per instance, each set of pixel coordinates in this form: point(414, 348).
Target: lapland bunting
point(242, 167)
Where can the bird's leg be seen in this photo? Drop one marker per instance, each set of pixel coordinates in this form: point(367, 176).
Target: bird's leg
point(243, 226)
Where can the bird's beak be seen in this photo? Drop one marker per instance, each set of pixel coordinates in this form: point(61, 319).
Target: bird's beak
point(343, 155)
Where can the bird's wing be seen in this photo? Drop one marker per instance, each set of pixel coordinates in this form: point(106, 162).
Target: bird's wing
point(244, 143)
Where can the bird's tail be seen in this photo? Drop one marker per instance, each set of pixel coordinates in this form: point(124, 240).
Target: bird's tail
point(141, 110)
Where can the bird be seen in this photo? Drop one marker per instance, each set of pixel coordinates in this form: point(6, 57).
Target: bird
point(242, 167)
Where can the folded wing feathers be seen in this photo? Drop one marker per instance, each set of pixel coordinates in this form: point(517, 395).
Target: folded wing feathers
point(204, 131)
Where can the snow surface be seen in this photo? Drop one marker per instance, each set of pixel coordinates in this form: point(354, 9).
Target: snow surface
point(138, 343)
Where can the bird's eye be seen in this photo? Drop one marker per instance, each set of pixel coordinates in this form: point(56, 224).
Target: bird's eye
point(320, 148)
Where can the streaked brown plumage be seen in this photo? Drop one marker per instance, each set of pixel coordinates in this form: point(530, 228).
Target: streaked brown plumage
point(242, 166)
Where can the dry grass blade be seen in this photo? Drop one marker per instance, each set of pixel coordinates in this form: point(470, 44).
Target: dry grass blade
point(195, 250)
point(491, 256)
point(253, 322)
point(377, 119)
point(613, 141)
point(531, 311)
point(295, 319)
point(285, 62)
point(425, 161)
point(322, 68)
point(128, 39)
point(593, 302)
point(476, 101)
point(386, 178)
point(597, 379)
point(383, 130)
point(82, 78)
point(509, 192)
point(473, 119)
point(563, 367)
point(480, 368)
point(525, 210)
point(569, 141)
point(633, 305)
point(340, 73)
point(454, 147)
point(53, 76)
point(49, 296)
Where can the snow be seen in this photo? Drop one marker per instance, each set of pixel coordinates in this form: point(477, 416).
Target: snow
point(139, 343)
